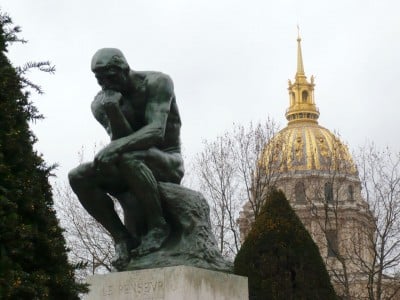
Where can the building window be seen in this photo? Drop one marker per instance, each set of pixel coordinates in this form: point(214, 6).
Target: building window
point(328, 192)
point(332, 243)
point(304, 96)
point(300, 192)
point(350, 193)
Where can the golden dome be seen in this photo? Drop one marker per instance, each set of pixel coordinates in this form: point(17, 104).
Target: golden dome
point(306, 146)
point(303, 144)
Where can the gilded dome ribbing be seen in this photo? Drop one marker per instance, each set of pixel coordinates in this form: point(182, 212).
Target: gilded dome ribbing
point(308, 146)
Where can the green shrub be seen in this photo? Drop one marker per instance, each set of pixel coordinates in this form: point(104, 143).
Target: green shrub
point(280, 258)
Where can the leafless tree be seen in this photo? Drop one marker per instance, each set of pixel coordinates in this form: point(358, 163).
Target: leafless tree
point(226, 170)
point(380, 178)
point(89, 243)
point(258, 165)
point(361, 229)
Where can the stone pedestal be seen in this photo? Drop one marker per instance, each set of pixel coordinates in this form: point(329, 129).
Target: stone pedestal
point(170, 283)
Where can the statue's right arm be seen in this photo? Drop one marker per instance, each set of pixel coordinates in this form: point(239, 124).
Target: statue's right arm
point(110, 102)
point(106, 110)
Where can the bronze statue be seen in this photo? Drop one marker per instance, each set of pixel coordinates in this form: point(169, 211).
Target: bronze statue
point(165, 224)
point(139, 112)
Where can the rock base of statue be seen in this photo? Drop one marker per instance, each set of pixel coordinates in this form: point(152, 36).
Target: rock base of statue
point(191, 242)
point(171, 283)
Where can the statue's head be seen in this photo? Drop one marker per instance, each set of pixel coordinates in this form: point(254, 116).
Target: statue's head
point(110, 68)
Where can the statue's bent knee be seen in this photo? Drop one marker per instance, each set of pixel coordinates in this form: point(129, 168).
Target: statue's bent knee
point(77, 178)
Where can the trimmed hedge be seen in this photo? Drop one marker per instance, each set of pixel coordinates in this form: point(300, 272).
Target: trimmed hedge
point(280, 258)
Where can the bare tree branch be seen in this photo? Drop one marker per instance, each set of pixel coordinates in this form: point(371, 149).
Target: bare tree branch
point(227, 169)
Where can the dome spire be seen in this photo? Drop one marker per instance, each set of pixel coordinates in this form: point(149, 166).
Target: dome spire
point(301, 93)
point(300, 66)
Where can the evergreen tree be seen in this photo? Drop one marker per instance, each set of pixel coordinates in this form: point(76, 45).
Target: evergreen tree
point(33, 254)
point(280, 258)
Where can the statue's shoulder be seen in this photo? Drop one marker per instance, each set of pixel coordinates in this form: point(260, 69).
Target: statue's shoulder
point(154, 79)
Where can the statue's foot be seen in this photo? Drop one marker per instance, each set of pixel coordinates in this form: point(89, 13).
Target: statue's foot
point(152, 241)
point(122, 255)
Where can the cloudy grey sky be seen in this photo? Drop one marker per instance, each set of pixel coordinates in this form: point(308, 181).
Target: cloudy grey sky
point(230, 61)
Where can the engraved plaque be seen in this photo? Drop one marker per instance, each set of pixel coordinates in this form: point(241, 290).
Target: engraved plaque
point(130, 285)
point(170, 283)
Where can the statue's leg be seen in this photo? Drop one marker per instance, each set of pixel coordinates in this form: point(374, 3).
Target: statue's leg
point(86, 185)
point(134, 219)
point(143, 185)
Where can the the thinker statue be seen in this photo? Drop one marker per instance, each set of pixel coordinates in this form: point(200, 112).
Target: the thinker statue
point(139, 112)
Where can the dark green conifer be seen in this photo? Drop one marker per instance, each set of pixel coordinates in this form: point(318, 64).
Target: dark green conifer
point(33, 255)
point(280, 258)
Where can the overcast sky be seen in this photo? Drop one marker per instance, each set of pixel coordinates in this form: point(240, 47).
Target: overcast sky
point(230, 62)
